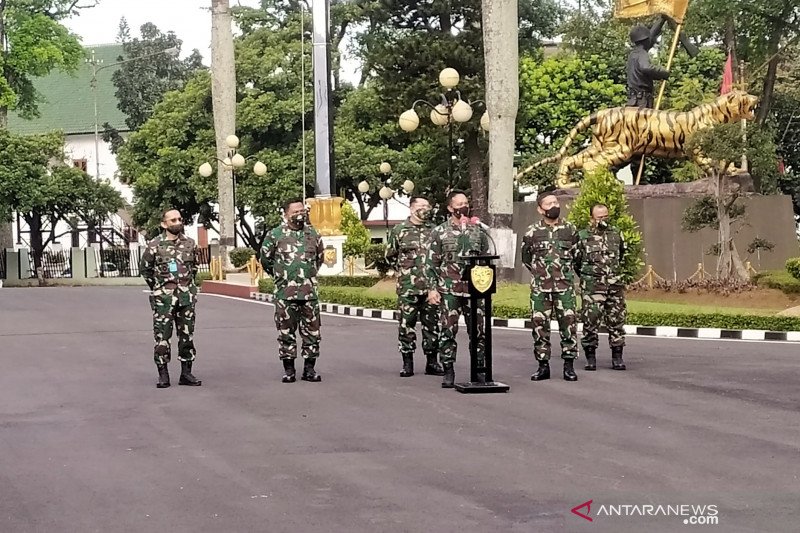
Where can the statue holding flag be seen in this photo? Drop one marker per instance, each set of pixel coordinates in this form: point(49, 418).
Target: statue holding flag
point(641, 74)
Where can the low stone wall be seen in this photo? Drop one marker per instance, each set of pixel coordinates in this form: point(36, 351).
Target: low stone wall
point(675, 253)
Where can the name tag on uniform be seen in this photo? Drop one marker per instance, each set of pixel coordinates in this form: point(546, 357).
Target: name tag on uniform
point(173, 266)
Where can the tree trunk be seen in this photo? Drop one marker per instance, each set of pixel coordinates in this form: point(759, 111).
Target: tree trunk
point(772, 69)
point(223, 94)
point(477, 178)
point(501, 57)
point(729, 264)
point(729, 41)
point(37, 244)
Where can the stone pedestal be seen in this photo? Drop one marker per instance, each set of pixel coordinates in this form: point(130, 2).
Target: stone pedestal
point(505, 244)
point(333, 262)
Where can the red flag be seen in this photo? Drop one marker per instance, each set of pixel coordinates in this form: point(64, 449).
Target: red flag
point(727, 76)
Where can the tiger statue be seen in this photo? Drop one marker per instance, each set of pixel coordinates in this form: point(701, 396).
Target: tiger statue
point(622, 133)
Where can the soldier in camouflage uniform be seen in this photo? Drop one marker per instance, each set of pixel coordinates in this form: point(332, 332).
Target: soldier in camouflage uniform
point(601, 249)
point(405, 253)
point(292, 254)
point(169, 266)
point(548, 251)
point(447, 283)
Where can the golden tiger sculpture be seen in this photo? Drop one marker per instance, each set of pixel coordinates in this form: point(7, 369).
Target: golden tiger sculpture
point(622, 133)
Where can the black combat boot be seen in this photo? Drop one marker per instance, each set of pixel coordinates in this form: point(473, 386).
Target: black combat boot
point(432, 366)
point(163, 377)
point(591, 359)
point(186, 375)
point(449, 380)
point(569, 370)
point(408, 366)
point(309, 374)
point(288, 371)
point(543, 372)
point(616, 358)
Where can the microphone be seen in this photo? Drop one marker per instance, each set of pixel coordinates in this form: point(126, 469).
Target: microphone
point(475, 221)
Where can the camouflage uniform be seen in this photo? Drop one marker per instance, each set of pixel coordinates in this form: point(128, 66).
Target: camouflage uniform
point(446, 274)
point(548, 252)
point(169, 267)
point(406, 255)
point(292, 258)
point(599, 257)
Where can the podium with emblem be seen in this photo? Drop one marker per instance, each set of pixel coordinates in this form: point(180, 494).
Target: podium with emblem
point(482, 282)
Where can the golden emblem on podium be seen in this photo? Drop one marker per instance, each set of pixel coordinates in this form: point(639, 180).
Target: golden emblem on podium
point(329, 256)
point(482, 278)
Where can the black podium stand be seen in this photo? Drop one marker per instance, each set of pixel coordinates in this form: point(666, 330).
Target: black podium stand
point(480, 276)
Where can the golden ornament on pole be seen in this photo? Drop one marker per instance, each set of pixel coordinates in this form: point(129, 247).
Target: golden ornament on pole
point(326, 215)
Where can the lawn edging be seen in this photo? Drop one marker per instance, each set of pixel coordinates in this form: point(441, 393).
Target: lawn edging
point(699, 326)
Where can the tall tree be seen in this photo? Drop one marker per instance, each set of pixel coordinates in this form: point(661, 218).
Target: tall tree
point(35, 182)
point(33, 42)
point(142, 84)
point(405, 44)
point(223, 96)
point(160, 161)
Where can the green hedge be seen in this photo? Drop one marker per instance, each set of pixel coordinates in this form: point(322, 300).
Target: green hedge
point(347, 281)
point(778, 279)
point(700, 320)
point(201, 277)
point(266, 285)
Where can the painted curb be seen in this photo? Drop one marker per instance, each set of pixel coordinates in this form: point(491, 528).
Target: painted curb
point(521, 323)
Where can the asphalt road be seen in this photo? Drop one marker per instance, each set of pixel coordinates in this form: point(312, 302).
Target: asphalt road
point(87, 443)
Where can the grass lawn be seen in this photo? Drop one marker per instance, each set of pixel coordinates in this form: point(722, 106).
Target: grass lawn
point(518, 295)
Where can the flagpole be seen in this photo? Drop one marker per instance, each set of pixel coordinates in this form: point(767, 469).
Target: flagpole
point(744, 121)
point(672, 50)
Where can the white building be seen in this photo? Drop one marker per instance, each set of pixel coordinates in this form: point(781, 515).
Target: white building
point(68, 105)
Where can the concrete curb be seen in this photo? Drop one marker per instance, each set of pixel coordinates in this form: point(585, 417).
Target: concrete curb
point(521, 323)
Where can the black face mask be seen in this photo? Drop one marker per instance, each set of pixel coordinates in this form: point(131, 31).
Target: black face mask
point(298, 221)
point(602, 225)
point(461, 212)
point(175, 229)
point(553, 213)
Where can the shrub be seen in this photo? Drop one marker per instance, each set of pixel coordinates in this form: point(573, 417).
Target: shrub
point(602, 187)
point(240, 256)
point(347, 281)
point(201, 277)
point(793, 266)
point(375, 257)
point(266, 285)
point(357, 234)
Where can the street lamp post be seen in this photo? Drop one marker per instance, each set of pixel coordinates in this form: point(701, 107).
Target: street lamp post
point(385, 192)
point(452, 110)
point(233, 160)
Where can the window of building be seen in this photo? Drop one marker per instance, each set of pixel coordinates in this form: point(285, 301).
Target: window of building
point(81, 164)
